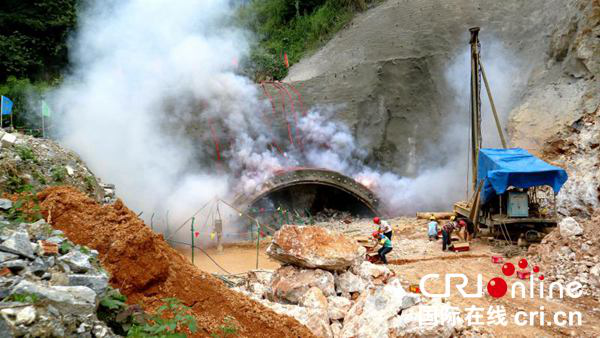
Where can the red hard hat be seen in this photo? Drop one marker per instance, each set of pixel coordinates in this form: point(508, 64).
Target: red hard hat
point(376, 220)
point(462, 222)
point(375, 233)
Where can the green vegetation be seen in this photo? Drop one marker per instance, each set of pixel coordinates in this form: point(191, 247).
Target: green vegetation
point(65, 247)
point(119, 316)
point(89, 183)
point(227, 329)
point(172, 319)
point(58, 173)
point(39, 177)
point(291, 26)
point(25, 153)
point(27, 206)
point(33, 37)
point(33, 52)
point(23, 298)
point(113, 300)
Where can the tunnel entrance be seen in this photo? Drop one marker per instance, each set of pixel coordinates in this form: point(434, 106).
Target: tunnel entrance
point(311, 199)
point(298, 195)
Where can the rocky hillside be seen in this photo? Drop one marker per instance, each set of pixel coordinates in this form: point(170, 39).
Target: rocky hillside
point(391, 72)
point(49, 287)
point(31, 164)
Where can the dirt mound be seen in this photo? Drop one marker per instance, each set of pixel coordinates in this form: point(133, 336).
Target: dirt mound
point(146, 269)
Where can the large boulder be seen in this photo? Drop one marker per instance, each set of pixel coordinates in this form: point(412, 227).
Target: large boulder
point(375, 308)
point(369, 272)
point(18, 243)
point(315, 299)
point(77, 261)
point(312, 318)
point(569, 227)
point(258, 282)
point(314, 247)
point(337, 307)
point(79, 300)
point(347, 283)
point(290, 283)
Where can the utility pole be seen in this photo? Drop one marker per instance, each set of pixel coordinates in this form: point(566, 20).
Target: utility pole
point(475, 103)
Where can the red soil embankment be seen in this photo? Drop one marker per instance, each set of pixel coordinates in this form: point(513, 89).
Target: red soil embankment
point(146, 269)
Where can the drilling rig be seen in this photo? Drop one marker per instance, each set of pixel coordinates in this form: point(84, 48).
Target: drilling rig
point(510, 187)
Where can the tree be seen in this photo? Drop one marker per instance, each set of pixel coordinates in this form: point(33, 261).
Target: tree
point(33, 37)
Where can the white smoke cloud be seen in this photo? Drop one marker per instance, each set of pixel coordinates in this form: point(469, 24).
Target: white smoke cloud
point(138, 66)
point(149, 80)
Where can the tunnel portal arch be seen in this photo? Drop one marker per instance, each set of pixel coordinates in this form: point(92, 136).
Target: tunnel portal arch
point(314, 178)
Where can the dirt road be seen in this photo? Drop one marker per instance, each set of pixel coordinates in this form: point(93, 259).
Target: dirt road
point(235, 258)
point(414, 256)
point(427, 258)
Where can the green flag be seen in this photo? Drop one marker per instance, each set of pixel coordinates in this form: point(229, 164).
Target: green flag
point(46, 111)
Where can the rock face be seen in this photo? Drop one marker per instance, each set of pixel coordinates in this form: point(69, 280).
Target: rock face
point(18, 243)
point(314, 247)
point(371, 314)
point(77, 261)
point(394, 50)
point(347, 283)
point(569, 227)
point(289, 283)
point(40, 296)
point(314, 320)
point(5, 204)
point(337, 307)
point(69, 299)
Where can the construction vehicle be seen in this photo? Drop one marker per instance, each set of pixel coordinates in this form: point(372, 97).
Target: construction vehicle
point(510, 186)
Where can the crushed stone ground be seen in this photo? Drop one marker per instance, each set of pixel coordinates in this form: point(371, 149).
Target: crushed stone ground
point(146, 269)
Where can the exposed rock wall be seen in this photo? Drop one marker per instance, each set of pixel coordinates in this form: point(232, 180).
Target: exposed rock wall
point(386, 70)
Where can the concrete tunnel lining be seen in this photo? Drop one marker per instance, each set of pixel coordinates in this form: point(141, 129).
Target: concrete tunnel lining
point(298, 177)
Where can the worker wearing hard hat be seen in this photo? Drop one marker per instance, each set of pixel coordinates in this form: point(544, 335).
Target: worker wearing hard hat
point(432, 228)
point(384, 227)
point(386, 245)
point(447, 230)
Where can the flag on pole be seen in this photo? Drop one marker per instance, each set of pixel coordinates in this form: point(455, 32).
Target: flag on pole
point(46, 111)
point(6, 106)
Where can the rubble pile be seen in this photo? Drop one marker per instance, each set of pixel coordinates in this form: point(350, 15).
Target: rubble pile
point(330, 215)
point(147, 270)
point(48, 286)
point(577, 149)
point(28, 162)
point(352, 298)
point(571, 253)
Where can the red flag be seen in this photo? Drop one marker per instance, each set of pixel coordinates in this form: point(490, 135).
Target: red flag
point(285, 60)
point(197, 233)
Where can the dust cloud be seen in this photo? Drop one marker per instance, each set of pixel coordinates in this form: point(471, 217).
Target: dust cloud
point(154, 83)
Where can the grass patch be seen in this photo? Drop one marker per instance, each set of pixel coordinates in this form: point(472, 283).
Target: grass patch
point(23, 298)
point(65, 247)
point(90, 183)
point(58, 173)
point(25, 153)
point(172, 319)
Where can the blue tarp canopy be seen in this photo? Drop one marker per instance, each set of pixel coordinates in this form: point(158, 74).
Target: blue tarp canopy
point(502, 168)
